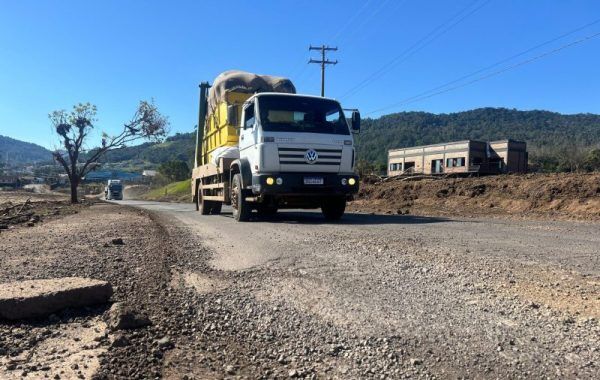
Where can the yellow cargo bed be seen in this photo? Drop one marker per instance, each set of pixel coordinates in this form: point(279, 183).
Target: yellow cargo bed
point(219, 131)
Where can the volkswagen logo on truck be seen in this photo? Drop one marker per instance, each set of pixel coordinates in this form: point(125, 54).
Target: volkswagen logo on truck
point(311, 156)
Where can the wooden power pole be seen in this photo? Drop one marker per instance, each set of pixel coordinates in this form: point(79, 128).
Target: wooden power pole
point(323, 62)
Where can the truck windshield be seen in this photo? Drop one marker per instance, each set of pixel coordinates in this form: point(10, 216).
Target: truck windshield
point(301, 114)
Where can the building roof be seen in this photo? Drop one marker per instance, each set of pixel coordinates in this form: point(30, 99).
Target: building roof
point(455, 142)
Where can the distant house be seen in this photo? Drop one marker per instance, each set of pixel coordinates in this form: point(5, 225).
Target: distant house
point(468, 156)
point(149, 173)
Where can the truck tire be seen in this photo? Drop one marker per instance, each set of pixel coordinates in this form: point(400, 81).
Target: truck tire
point(241, 208)
point(333, 209)
point(202, 205)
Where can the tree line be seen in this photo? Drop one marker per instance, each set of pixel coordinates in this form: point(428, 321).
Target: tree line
point(556, 142)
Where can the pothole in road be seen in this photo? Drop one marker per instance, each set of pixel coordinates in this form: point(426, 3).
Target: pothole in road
point(201, 283)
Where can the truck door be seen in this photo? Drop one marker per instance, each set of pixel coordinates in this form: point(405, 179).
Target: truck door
point(248, 135)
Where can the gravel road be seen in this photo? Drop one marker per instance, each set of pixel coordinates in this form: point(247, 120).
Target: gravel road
point(404, 295)
point(369, 297)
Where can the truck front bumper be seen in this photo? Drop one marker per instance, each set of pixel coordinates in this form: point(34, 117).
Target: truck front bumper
point(293, 184)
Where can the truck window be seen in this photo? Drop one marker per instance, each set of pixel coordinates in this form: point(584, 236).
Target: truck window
point(301, 114)
point(249, 116)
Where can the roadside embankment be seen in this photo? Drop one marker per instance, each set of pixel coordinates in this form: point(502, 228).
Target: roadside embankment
point(172, 192)
point(553, 196)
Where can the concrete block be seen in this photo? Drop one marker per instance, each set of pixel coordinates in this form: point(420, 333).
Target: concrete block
point(35, 298)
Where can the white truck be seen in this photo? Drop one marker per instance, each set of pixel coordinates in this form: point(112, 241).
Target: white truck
point(262, 147)
point(113, 190)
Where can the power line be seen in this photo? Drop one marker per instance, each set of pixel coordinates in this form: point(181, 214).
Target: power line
point(487, 76)
point(323, 62)
point(505, 59)
point(368, 18)
point(351, 20)
point(417, 46)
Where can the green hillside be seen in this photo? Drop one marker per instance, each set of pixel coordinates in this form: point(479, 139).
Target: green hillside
point(540, 129)
point(18, 152)
point(548, 132)
point(149, 155)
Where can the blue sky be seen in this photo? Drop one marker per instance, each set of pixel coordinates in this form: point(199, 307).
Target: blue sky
point(54, 54)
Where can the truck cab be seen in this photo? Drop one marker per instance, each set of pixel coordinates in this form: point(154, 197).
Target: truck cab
point(113, 190)
point(298, 152)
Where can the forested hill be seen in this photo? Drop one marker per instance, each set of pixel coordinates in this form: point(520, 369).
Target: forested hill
point(537, 128)
point(21, 152)
point(181, 146)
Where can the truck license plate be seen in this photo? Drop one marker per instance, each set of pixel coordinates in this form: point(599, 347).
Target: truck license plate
point(313, 180)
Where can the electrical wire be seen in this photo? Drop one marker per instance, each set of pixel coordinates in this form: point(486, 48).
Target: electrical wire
point(351, 20)
point(437, 32)
point(487, 76)
point(506, 59)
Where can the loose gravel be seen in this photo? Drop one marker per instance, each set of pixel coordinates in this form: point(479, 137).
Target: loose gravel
point(364, 304)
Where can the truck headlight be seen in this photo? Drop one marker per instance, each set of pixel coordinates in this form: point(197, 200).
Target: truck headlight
point(279, 180)
point(344, 181)
point(351, 181)
point(270, 181)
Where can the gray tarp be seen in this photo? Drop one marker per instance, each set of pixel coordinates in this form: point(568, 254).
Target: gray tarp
point(242, 81)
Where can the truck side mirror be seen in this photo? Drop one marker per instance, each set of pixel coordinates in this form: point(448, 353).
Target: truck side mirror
point(355, 121)
point(232, 115)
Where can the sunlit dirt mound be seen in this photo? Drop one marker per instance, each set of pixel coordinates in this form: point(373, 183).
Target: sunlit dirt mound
point(560, 196)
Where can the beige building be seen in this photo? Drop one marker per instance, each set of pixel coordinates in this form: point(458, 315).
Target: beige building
point(468, 156)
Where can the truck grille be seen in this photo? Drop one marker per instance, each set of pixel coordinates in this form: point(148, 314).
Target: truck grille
point(295, 156)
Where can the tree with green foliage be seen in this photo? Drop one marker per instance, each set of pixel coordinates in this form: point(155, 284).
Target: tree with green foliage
point(592, 160)
point(73, 129)
point(174, 170)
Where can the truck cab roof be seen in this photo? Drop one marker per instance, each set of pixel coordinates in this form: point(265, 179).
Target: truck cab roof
point(287, 94)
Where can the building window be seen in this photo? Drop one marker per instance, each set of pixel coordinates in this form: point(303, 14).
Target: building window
point(455, 162)
point(409, 164)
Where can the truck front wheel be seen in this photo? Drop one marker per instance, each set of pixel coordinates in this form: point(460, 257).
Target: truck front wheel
point(333, 209)
point(241, 208)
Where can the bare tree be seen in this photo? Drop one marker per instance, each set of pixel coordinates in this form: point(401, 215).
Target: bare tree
point(74, 127)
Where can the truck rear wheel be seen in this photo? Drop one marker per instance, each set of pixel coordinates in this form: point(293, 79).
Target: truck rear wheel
point(241, 208)
point(202, 204)
point(333, 209)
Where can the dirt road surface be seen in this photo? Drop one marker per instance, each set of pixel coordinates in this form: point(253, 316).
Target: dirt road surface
point(397, 294)
point(372, 296)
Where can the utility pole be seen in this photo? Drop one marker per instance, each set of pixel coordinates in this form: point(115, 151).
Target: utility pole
point(323, 61)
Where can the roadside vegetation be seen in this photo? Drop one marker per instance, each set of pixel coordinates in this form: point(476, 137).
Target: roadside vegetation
point(172, 192)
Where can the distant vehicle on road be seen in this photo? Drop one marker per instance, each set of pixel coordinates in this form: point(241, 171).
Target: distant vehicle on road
point(113, 190)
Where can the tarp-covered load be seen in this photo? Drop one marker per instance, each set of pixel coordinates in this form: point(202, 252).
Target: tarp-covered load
point(244, 82)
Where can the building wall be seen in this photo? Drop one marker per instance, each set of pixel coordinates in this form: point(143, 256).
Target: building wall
point(422, 157)
point(471, 156)
point(513, 155)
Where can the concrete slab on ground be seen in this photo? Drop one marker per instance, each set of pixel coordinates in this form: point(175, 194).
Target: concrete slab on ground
point(35, 298)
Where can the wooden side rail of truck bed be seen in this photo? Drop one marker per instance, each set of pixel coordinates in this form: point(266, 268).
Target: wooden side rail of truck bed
point(211, 182)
